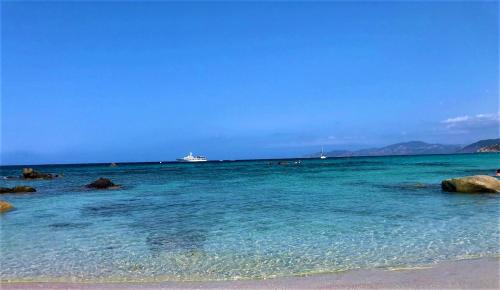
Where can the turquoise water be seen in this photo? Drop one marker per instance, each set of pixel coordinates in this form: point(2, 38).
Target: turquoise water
point(240, 220)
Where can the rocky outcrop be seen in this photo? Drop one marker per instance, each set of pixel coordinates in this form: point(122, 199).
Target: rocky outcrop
point(491, 148)
point(475, 147)
point(17, 189)
point(5, 206)
point(102, 183)
point(30, 173)
point(472, 184)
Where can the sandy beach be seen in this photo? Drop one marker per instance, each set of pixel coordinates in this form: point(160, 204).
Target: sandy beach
point(481, 273)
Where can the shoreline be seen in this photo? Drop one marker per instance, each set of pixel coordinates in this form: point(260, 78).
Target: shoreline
point(479, 273)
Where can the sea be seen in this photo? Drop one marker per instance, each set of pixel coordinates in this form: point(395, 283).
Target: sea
point(237, 220)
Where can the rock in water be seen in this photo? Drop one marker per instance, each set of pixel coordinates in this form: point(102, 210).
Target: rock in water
point(30, 173)
point(5, 206)
point(472, 184)
point(24, 188)
point(102, 183)
point(17, 189)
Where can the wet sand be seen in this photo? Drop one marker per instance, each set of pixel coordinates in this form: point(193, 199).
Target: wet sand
point(465, 274)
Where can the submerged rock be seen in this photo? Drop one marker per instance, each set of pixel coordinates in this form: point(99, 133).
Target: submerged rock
point(17, 189)
point(30, 173)
point(472, 184)
point(102, 183)
point(5, 206)
point(407, 186)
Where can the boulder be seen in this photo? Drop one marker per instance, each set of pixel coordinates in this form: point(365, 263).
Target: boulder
point(5, 206)
point(17, 189)
point(30, 173)
point(472, 184)
point(102, 183)
point(27, 172)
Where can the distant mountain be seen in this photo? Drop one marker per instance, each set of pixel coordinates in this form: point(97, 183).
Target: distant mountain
point(418, 148)
point(487, 145)
point(409, 148)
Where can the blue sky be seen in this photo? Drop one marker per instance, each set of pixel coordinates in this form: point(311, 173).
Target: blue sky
point(130, 81)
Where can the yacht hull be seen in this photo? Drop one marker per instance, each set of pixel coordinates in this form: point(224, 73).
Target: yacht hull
point(182, 160)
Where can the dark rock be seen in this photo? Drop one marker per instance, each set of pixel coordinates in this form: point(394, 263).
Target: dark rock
point(102, 183)
point(30, 173)
point(408, 186)
point(17, 189)
point(5, 206)
point(69, 225)
point(472, 184)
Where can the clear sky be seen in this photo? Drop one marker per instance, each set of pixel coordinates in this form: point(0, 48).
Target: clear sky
point(130, 81)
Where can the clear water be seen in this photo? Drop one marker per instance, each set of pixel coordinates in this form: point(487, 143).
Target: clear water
point(240, 220)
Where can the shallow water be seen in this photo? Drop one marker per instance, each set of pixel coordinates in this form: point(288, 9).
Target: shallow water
point(239, 220)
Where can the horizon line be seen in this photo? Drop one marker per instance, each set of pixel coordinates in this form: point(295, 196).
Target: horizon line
point(239, 160)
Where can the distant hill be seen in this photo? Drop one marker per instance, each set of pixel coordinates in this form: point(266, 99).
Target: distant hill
point(487, 145)
point(408, 148)
point(411, 148)
point(418, 148)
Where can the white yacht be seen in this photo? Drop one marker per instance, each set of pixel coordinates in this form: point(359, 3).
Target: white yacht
point(323, 155)
point(192, 158)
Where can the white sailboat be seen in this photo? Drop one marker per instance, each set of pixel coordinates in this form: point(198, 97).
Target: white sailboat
point(323, 155)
